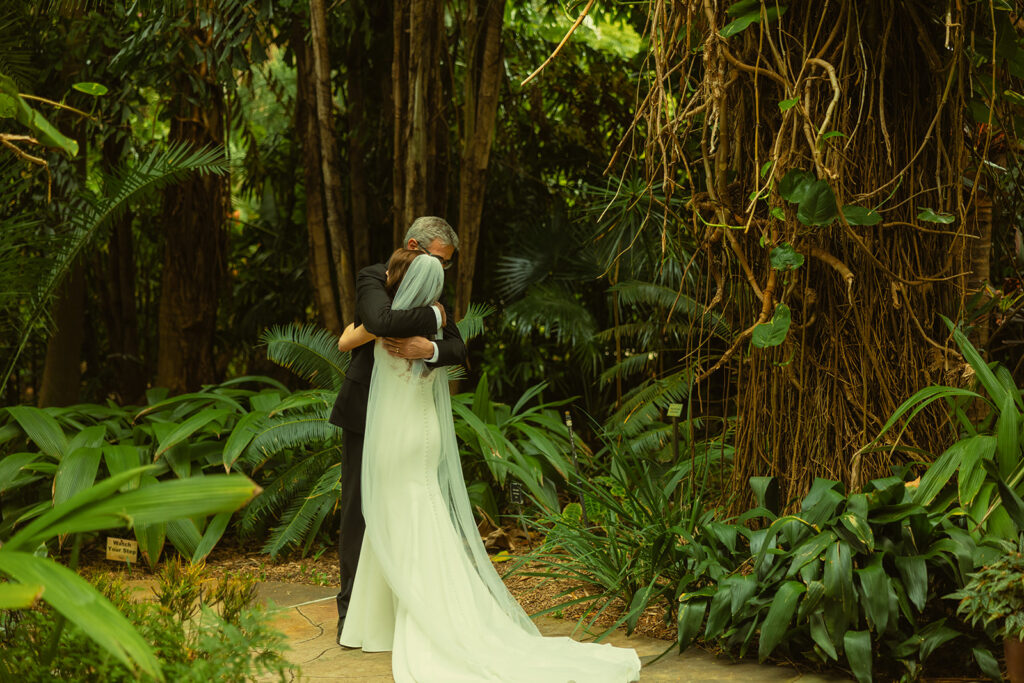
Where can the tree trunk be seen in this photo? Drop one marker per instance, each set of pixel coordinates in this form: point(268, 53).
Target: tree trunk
point(419, 31)
point(324, 292)
point(358, 191)
point(340, 241)
point(62, 376)
point(195, 245)
point(484, 68)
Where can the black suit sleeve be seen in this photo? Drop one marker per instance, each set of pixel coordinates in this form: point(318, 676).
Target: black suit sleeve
point(373, 308)
point(451, 350)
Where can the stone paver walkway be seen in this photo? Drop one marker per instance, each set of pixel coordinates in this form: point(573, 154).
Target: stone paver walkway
point(310, 621)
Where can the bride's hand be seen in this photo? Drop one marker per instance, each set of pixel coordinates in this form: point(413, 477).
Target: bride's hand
point(444, 314)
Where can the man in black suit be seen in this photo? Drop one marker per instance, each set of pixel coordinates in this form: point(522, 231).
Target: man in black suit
point(405, 334)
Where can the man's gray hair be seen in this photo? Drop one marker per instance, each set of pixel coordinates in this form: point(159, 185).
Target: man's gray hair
point(426, 229)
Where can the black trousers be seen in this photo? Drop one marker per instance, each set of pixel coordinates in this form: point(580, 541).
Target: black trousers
point(350, 536)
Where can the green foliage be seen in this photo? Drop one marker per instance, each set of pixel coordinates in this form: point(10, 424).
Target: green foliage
point(773, 332)
point(530, 443)
point(648, 538)
point(989, 472)
point(747, 12)
point(994, 597)
point(101, 506)
point(199, 630)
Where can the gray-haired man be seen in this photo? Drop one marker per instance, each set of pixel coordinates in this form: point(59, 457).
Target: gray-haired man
point(406, 334)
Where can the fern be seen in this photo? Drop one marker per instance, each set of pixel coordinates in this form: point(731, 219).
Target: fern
point(310, 352)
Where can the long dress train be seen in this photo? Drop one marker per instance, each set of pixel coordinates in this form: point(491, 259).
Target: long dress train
point(418, 591)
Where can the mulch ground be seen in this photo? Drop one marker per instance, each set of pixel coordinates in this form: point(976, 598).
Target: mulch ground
point(534, 593)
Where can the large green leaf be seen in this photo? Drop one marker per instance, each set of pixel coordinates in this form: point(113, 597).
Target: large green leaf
point(96, 508)
point(1007, 436)
point(858, 215)
point(241, 436)
point(776, 624)
point(691, 615)
point(821, 636)
point(748, 12)
point(914, 572)
point(76, 472)
point(188, 428)
point(795, 184)
point(818, 207)
point(11, 473)
point(42, 429)
point(214, 530)
point(809, 550)
point(82, 605)
point(785, 257)
point(721, 610)
point(874, 586)
point(858, 654)
point(773, 332)
point(940, 471)
point(184, 535)
point(19, 595)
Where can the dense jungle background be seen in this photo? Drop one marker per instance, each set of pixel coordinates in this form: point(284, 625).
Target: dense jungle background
point(795, 227)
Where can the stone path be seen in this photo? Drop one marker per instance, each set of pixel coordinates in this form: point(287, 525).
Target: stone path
point(309, 621)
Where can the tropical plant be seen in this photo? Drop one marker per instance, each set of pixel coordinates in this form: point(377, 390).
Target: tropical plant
point(848, 578)
point(994, 596)
point(642, 535)
point(200, 629)
point(54, 453)
point(109, 503)
point(986, 455)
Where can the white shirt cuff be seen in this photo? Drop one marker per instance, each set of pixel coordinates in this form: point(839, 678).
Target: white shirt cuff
point(437, 313)
point(433, 359)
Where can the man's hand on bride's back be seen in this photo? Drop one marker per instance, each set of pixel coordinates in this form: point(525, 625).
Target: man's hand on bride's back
point(410, 348)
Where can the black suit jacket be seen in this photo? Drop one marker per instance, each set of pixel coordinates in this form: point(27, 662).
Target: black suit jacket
point(373, 310)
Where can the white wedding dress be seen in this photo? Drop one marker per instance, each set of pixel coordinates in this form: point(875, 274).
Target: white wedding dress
point(425, 588)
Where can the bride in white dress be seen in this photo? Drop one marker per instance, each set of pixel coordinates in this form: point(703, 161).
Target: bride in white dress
point(425, 588)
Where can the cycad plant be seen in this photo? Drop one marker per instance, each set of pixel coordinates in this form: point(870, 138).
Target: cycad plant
point(291, 449)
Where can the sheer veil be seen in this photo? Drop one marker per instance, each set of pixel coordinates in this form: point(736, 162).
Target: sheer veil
point(422, 286)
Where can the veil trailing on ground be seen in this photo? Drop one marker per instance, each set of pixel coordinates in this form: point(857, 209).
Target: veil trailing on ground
point(422, 286)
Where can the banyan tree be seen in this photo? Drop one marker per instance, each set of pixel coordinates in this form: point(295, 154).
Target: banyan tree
point(837, 162)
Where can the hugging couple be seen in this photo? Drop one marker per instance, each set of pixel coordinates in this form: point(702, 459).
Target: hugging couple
point(418, 581)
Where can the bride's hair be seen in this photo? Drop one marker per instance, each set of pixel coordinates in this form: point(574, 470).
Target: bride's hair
point(397, 265)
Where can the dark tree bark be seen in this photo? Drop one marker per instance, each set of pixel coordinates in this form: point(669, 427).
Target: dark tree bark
point(320, 262)
point(484, 68)
point(195, 245)
point(62, 375)
point(420, 128)
point(340, 241)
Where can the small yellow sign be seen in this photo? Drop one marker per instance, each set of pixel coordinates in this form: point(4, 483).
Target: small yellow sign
point(122, 550)
point(675, 409)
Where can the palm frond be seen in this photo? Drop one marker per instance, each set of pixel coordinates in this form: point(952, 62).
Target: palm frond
point(553, 311)
point(472, 324)
point(514, 274)
point(309, 351)
point(158, 169)
point(670, 302)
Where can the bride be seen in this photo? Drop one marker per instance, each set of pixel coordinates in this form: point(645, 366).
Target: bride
point(425, 588)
